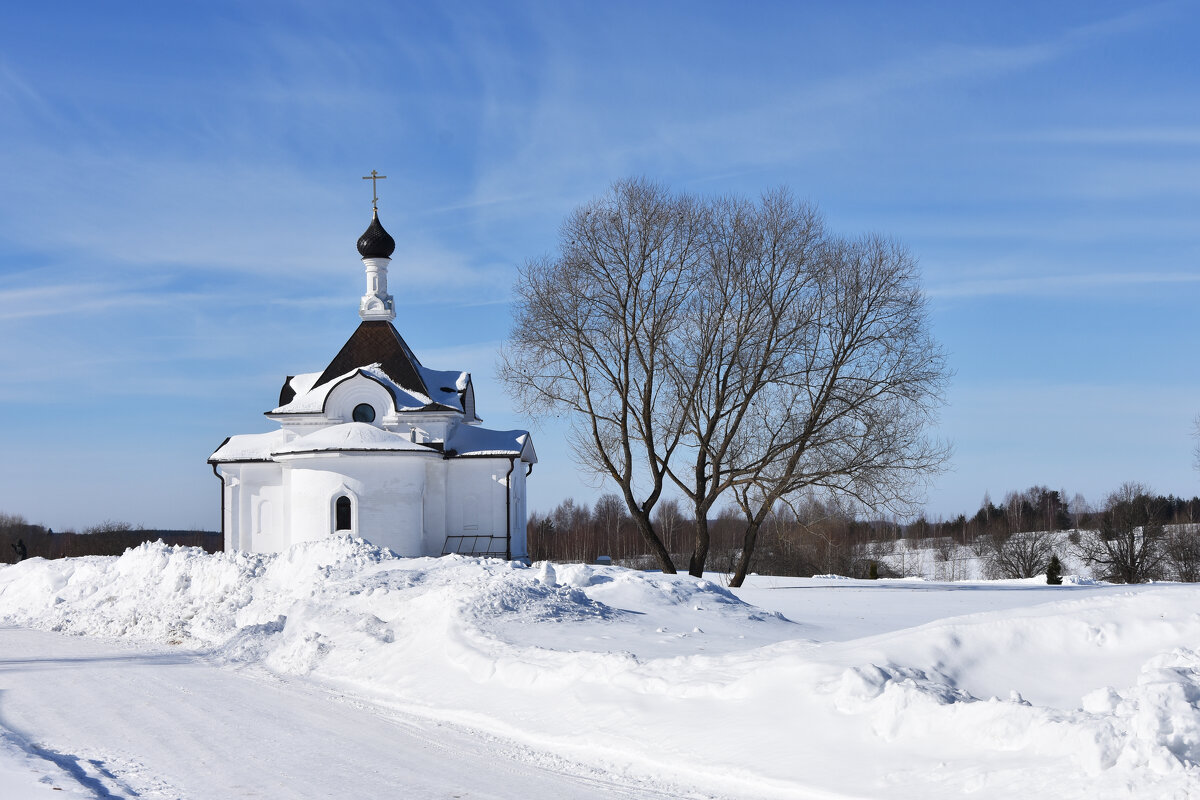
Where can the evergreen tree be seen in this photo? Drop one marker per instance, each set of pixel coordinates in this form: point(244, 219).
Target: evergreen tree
point(1054, 571)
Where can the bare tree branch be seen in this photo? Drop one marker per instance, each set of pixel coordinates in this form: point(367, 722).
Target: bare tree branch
point(593, 331)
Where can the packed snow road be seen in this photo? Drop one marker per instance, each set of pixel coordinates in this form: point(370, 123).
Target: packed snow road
point(104, 719)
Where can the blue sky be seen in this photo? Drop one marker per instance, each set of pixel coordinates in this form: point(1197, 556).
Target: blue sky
point(181, 196)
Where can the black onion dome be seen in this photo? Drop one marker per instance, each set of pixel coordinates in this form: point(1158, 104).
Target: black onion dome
point(376, 242)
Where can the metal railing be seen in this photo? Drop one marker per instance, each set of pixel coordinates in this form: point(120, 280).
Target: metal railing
point(476, 546)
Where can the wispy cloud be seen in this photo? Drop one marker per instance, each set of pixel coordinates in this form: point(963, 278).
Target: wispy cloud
point(83, 298)
point(17, 93)
point(776, 124)
point(1026, 227)
point(1059, 284)
point(324, 301)
point(1183, 135)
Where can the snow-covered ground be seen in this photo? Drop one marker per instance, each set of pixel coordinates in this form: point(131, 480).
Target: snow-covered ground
point(572, 680)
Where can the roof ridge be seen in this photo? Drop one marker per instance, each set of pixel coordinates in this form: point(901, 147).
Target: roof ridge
point(378, 342)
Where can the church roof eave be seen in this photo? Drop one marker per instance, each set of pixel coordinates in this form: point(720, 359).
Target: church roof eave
point(248, 448)
point(474, 442)
point(352, 437)
point(314, 402)
point(330, 451)
point(433, 408)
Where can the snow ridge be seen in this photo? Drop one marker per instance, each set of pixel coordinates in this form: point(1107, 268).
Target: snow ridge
point(1093, 689)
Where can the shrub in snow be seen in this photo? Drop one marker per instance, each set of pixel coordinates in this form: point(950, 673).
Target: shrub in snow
point(1054, 571)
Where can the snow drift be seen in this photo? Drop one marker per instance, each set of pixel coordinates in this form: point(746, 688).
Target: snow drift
point(1091, 690)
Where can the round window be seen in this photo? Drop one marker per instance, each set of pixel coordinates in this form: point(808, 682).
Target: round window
point(364, 412)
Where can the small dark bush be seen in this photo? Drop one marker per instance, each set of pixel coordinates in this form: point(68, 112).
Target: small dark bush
point(1054, 571)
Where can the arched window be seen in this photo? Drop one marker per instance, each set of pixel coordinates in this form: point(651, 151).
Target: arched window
point(342, 508)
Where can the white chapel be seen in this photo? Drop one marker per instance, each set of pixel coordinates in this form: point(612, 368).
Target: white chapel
point(378, 445)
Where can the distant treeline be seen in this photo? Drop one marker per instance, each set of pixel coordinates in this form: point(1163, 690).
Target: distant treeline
point(786, 542)
point(1042, 509)
point(817, 537)
point(19, 539)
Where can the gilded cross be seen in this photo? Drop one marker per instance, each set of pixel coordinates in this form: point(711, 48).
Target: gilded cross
point(374, 176)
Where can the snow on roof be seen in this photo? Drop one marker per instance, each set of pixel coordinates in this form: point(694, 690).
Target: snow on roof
point(302, 383)
point(351, 436)
point(445, 385)
point(249, 447)
point(309, 400)
point(471, 441)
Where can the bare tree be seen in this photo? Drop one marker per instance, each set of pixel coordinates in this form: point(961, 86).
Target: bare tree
point(947, 565)
point(747, 318)
point(108, 526)
point(609, 514)
point(1129, 546)
point(1079, 510)
point(1015, 506)
point(669, 521)
point(1196, 436)
point(593, 332)
point(848, 414)
point(1019, 555)
point(571, 516)
point(1182, 549)
point(777, 359)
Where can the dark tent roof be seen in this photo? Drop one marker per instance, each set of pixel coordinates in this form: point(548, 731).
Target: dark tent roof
point(377, 342)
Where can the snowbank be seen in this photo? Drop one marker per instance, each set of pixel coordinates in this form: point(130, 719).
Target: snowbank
point(1091, 690)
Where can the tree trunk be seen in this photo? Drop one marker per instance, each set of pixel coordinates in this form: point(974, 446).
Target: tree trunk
point(655, 544)
point(743, 566)
point(700, 553)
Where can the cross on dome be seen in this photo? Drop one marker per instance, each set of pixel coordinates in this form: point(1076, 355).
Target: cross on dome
point(376, 247)
point(373, 178)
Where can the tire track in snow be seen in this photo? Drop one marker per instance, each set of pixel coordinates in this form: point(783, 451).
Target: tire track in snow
point(124, 721)
point(97, 780)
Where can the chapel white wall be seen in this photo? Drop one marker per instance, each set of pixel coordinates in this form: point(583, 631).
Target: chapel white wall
point(520, 547)
point(408, 503)
point(386, 496)
point(476, 502)
point(255, 507)
point(434, 502)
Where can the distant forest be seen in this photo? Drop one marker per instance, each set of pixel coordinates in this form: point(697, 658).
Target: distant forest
point(814, 537)
point(19, 539)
